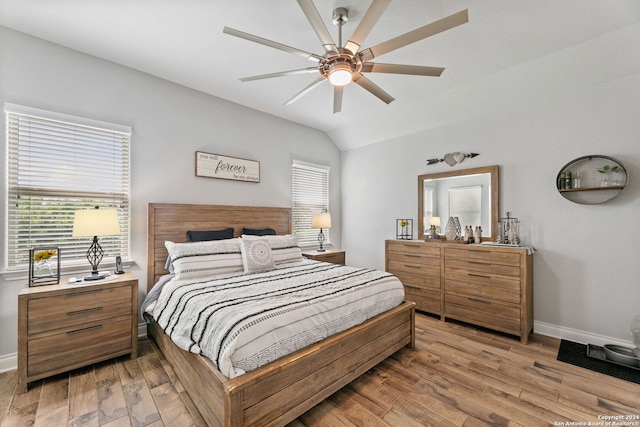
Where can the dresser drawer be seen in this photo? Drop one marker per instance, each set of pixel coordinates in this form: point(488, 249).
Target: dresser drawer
point(414, 266)
point(488, 256)
point(481, 267)
point(482, 312)
point(77, 307)
point(408, 248)
point(487, 286)
point(418, 279)
point(73, 347)
point(426, 299)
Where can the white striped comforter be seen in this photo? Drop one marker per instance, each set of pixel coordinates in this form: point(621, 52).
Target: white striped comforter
point(244, 321)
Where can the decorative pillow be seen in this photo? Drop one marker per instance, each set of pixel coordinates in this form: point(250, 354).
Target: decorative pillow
point(284, 248)
point(259, 232)
point(201, 236)
point(256, 254)
point(198, 259)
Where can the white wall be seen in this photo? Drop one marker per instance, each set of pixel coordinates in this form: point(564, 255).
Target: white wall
point(531, 121)
point(170, 123)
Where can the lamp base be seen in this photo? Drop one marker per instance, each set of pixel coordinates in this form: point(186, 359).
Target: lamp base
point(94, 277)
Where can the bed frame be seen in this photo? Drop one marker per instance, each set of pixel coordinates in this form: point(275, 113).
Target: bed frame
point(277, 393)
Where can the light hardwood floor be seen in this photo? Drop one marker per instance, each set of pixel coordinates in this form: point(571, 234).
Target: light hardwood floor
point(457, 376)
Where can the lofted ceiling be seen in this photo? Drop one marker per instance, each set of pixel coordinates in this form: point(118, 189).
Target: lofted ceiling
point(182, 41)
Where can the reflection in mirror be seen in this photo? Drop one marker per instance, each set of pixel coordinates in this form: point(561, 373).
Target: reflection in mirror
point(470, 194)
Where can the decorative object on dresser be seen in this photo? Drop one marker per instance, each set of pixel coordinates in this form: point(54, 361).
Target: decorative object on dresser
point(509, 231)
point(452, 159)
point(44, 266)
point(453, 229)
point(486, 285)
point(329, 255)
point(436, 191)
point(67, 326)
point(592, 179)
point(95, 222)
point(321, 220)
point(404, 229)
point(434, 224)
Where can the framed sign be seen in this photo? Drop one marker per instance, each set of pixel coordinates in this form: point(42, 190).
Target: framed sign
point(216, 166)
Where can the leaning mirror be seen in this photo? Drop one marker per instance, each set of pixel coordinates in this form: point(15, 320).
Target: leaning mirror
point(470, 194)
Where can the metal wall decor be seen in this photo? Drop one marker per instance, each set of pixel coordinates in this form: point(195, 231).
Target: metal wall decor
point(452, 159)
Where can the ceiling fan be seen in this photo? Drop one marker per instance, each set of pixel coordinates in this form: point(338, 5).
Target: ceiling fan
point(341, 65)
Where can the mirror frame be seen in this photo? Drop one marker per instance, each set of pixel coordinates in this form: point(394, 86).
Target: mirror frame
point(495, 196)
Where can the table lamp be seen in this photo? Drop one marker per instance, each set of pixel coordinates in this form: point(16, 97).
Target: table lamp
point(95, 222)
point(321, 220)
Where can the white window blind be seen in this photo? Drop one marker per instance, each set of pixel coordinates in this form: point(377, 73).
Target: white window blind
point(58, 164)
point(310, 193)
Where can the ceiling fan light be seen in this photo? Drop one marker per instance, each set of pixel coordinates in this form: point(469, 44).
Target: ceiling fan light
point(340, 74)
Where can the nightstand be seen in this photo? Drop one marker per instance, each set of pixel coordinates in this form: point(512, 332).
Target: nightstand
point(70, 325)
point(329, 255)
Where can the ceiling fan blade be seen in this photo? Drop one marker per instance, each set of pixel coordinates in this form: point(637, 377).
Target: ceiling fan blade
point(416, 70)
point(373, 88)
point(337, 99)
point(270, 43)
point(423, 32)
point(306, 90)
point(280, 74)
point(369, 20)
point(317, 24)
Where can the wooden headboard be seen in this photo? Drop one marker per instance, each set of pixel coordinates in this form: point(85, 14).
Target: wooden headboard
point(170, 221)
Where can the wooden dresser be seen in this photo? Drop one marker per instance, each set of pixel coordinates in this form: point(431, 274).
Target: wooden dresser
point(67, 326)
point(489, 286)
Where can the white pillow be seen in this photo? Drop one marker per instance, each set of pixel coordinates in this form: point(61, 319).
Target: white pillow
point(198, 259)
point(256, 254)
point(284, 248)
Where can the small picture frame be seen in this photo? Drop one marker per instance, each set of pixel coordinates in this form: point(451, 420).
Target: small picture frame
point(44, 266)
point(404, 229)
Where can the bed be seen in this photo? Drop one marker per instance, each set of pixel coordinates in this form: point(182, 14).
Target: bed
point(280, 391)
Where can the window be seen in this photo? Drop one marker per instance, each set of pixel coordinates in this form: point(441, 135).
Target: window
point(465, 203)
point(58, 164)
point(310, 194)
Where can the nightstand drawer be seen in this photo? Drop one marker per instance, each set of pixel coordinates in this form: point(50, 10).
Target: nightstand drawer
point(77, 307)
point(74, 347)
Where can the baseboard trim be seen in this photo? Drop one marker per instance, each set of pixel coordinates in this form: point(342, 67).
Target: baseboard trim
point(577, 335)
point(8, 362)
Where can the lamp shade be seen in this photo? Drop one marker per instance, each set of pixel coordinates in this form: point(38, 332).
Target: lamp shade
point(96, 222)
point(321, 220)
point(434, 220)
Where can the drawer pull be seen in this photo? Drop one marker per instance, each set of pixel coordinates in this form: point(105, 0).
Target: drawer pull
point(412, 266)
point(479, 275)
point(412, 256)
point(88, 310)
point(90, 328)
point(478, 262)
point(479, 300)
point(75, 294)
